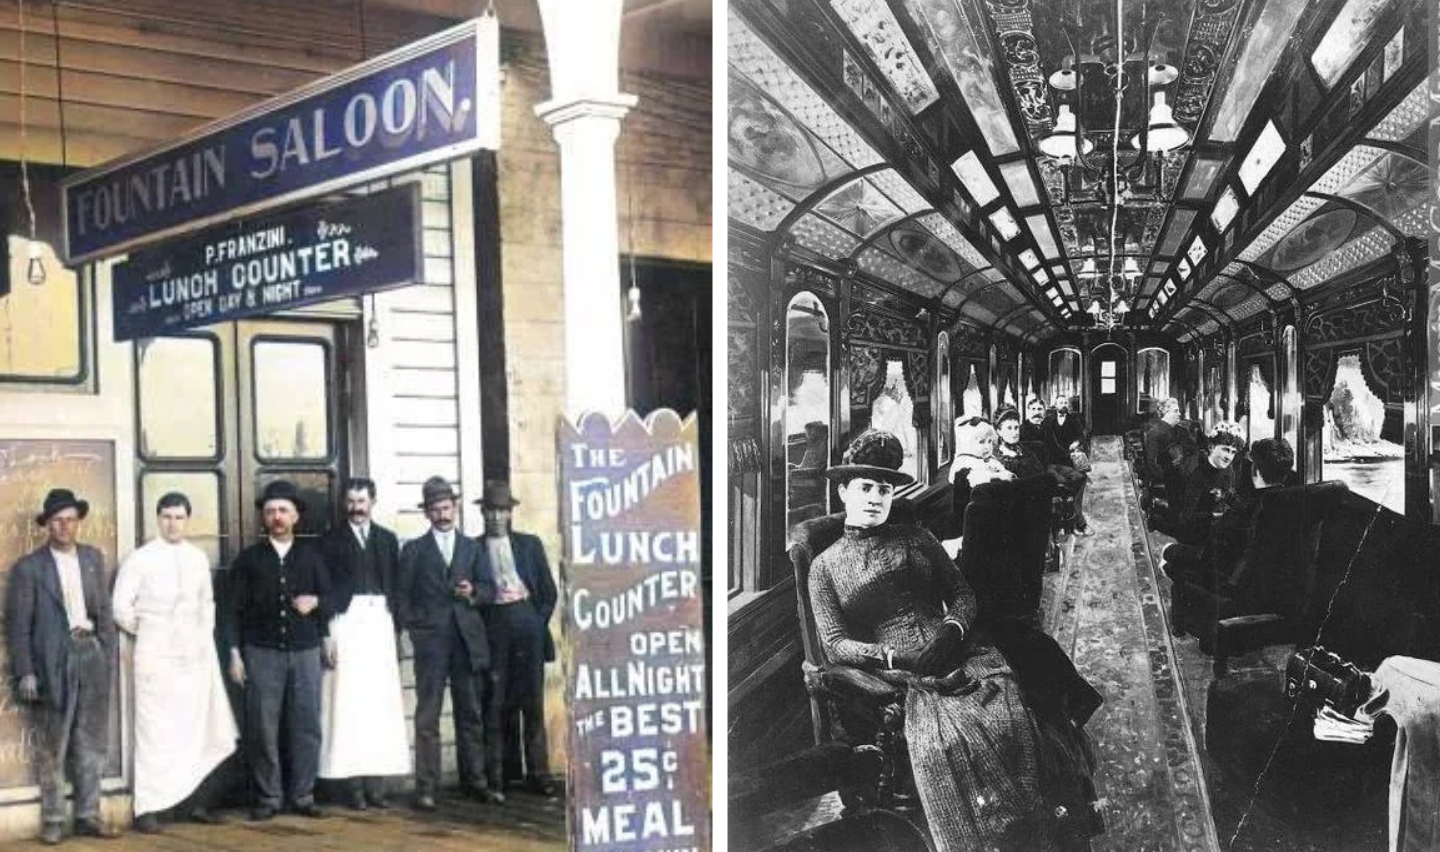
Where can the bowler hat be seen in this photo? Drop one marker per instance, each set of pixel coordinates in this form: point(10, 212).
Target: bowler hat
point(874, 454)
point(280, 489)
point(58, 500)
point(435, 489)
point(497, 495)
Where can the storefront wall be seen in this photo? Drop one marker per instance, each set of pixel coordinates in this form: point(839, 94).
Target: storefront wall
point(421, 389)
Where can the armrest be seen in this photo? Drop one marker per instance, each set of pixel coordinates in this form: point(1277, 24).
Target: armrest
point(848, 682)
point(1245, 632)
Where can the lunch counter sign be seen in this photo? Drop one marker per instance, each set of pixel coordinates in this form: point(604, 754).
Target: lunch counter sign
point(422, 104)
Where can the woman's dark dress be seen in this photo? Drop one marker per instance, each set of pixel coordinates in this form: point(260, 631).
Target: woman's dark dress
point(982, 765)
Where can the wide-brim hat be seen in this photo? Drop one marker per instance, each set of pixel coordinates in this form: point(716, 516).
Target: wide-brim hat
point(435, 489)
point(874, 454)
point(497, 495)
point(280, 489)
point(58, 500)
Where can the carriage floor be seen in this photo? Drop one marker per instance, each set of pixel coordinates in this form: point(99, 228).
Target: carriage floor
point(525, 823)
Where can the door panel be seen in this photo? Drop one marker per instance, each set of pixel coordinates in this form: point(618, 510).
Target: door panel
point(261, 400)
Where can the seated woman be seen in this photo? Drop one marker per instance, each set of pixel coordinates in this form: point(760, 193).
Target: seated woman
point(887, 598)
point(1015, 456)
point(1210, 487)
point(974, 464)
point(1273, 464)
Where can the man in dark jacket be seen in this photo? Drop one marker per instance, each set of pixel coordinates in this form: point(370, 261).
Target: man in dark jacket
point(444, 580)
point(520, 642)
point(62, 640)
point(1169, 447)
point(1046, 433)
point(364, 725)
point(274, 629)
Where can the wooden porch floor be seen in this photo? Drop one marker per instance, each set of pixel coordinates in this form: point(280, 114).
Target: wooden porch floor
point(525, 823)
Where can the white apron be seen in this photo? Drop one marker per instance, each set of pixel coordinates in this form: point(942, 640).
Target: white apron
point(184, 726)
point(362, 709)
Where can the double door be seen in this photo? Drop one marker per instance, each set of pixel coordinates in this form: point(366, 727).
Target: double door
point(224, 410)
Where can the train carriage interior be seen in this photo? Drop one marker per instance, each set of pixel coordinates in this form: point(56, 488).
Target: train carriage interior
point(1201, 229)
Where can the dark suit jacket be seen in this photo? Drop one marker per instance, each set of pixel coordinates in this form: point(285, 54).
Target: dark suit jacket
point(534, 570)
point(427, 606)
point(342, 558)
point(37, 628)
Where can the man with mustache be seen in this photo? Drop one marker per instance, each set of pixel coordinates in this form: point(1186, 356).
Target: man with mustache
point(444, 581)
point(362, 704)
point(1054, 438)
point(274, 630)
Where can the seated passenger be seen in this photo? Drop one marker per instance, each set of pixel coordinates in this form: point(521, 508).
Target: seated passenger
point(888, 599)
point(1059, 434)
point(1210, 487)
point(974, 464)
point(1015, 456)
point(1272, 465)
point(1168, 445)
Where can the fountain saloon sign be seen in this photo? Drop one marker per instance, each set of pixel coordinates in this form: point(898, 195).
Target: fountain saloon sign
point(433, 100)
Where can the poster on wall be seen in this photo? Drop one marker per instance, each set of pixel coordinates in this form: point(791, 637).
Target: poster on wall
point(635, 654)
point(28, 470)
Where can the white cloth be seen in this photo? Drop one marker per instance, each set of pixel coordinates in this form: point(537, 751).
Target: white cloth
point(282, 547)
point(1408, 689)
point(362, 709)
point(509, 588)
point(446, 542)
point(184, 726)
point(362, 533)
point(72, 588)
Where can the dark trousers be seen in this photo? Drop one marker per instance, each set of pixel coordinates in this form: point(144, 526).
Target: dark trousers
point(282, 700)
point(1075, 481)
point(1186, 562)
point(517, 649)
point(75, 734)
point(441, 657)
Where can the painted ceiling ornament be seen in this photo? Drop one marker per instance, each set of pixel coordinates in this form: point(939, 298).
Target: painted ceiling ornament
point(1210, 32)
point(1392, 185)
point(859, 207)
point(926, 253)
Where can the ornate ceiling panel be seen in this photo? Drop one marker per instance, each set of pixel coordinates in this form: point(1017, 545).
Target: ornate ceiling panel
point(956, 84)
point(754, 204)
point(941, 227)
point(1405, 119)
point(875, 25)
point(1370, 246)
point(758, 62)
point(823, 238)
point(859, 208)
point(884, 266)
point(965, 50)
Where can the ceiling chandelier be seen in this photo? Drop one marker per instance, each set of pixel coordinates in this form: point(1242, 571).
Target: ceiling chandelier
point(1097, 82)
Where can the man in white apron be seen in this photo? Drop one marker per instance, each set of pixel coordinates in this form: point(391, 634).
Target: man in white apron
point(362, 708)
point(184, 727)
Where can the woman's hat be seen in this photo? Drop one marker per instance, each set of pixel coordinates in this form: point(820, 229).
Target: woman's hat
point(873, 454)
point(435, 489)
point(1230, 434)
point(280, 489)
point(58, 500)
point(497, 495)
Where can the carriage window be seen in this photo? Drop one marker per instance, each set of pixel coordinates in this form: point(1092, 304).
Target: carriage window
point(1354, 450)
point(1107, 377)
point(1214, 400)
point(807, 409)
point(1065, 373)
point(944, 403)
point(894, 412)
point(971, 400)
point(1259, 421)
point(1290, 389)
point(1153, 368)
point(995, 380)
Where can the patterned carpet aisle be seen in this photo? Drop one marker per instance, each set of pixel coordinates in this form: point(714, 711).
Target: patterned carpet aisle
point(1105, 611)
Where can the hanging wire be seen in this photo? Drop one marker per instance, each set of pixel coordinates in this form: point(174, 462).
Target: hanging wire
point(35, 271)
point(633, 294)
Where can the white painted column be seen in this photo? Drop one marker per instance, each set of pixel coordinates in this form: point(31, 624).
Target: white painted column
point(583, 42)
